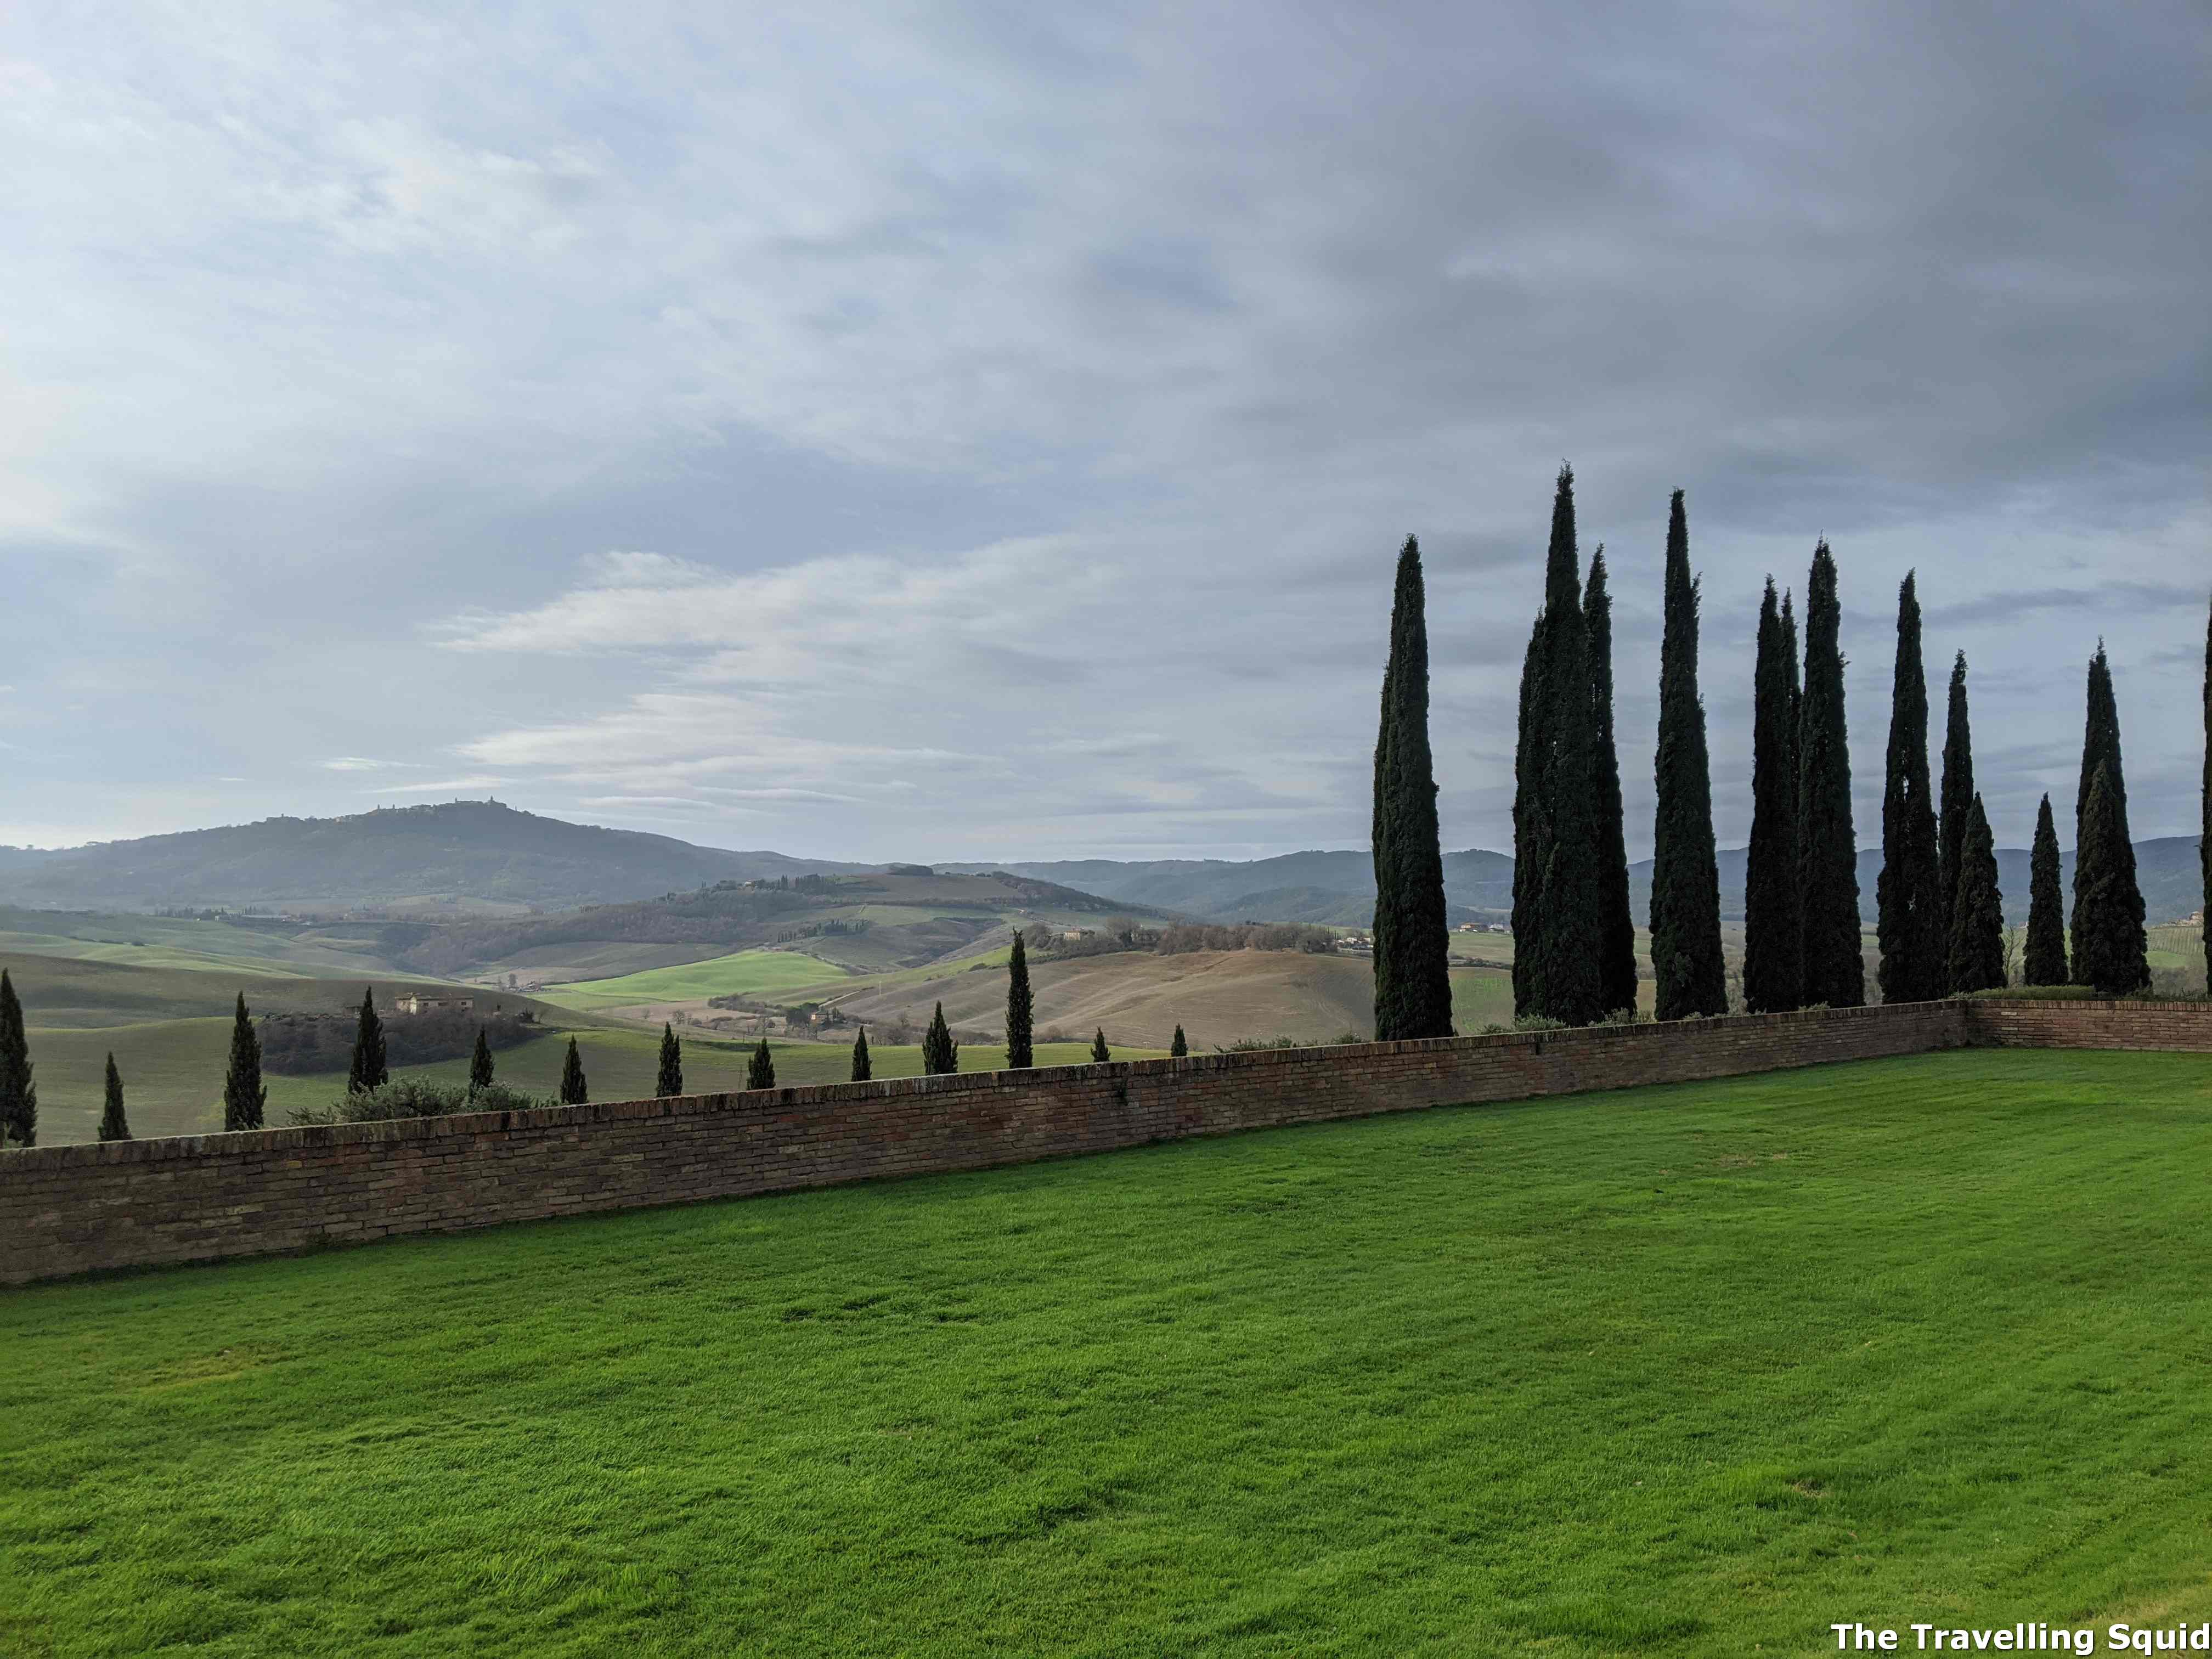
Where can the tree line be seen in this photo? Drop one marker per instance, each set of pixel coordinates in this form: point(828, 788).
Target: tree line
point(1939, 928)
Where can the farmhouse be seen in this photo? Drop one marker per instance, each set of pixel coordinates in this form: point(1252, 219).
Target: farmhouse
point(414, 1003)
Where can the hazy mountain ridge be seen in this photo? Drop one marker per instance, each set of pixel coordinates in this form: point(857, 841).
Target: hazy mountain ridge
point(439, 860)
point(456, 853)
point(1338, 887)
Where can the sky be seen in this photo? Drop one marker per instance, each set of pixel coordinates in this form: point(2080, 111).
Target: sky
point(987, 431)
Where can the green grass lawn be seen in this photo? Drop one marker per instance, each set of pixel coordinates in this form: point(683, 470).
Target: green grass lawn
point(1683, 1370)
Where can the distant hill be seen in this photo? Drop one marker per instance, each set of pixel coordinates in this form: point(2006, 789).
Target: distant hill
point(865, 922)
point(1339, 888)
point(454, 856)
point(463, 859)
point(1335, 888)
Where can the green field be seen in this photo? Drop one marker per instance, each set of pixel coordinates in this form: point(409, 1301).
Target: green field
point(1680, 1370)
point(764, 974)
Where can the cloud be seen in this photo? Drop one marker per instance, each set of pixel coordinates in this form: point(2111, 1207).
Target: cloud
point(447, 786)
point(994, 426)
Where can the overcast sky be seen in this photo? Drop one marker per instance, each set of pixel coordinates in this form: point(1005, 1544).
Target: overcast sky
point(986, 431)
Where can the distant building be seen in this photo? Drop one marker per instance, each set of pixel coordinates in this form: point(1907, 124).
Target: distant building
point(412, 1004)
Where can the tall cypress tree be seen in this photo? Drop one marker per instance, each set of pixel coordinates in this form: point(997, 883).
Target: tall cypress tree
point(1773, 919)
point(1957, 801)
point(244, 1097)
point(939, 1052)
point(1558, 845)
point(1616, 921)
point(1021, 1007)
point(1686, 883)
point(1827, 850)
point(1100, 1054)
point(1794, 658)
point(2108, 932)
point(19, 1090)
point(864, 1067)
point(1531, 828)
point(760, 1070)
point(1412, 982)
point(2204, 802)
point(1977, 953)
point(575, 1091)
point(368, 1070)
point(480, 1065)
point(1180, 1047)
point(670, 1081)
point(2042, 956)
point(2120, 948)
point(1908, 894)
point(114, 1125)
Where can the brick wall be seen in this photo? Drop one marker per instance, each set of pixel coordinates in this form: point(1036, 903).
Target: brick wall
point(71, 1209)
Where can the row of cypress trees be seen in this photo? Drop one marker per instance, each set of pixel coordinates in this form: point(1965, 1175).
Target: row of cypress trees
point(1939, 923)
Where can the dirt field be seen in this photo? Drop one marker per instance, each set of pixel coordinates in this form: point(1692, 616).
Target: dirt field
point(1218, 997)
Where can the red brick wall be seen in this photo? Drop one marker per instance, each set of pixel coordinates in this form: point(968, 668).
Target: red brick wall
point(70, 1209)
point(2186, 1026)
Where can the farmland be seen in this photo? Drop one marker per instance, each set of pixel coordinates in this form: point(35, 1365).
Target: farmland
point(1680, 1370)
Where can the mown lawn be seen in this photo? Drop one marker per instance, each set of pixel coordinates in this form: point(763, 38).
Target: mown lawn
point(1676, 1370)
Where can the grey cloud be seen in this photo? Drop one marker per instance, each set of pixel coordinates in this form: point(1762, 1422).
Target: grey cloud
point(1210, 307)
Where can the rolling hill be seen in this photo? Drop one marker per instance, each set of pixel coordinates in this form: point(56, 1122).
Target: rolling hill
point(852, 923)
point(1339, 888)
point(468, 860)
point(1218, 997)
point(456, 855)
point(1336, 888)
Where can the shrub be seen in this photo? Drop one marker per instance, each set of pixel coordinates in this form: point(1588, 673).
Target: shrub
point(415, 1097)
point(2039, 994)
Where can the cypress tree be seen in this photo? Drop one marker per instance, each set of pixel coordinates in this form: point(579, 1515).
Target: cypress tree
point(1773, 921)
point(864, 1069)
point(1616, 921)
point(1412, 982)
point(760, 1070)
point(1178, 1048)
point(2204, 803)
point(113, 1126)
point(480, 1066)
point(1827, 850)
point(1957, 801)
point(939, 1052)
point(1908, 894)
point(19, 1090)
point(244, 1097)
point(1558, 845)
point(575, 1091)
point(670, 1080)
point(2120, 948)
point(1020, 1008)
point(368, 1070)
point(1099, 1052)
point(1686, 883)
point(1531, 829)
point(2043, 957)
point(1976, 953)
point(2108, 932)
